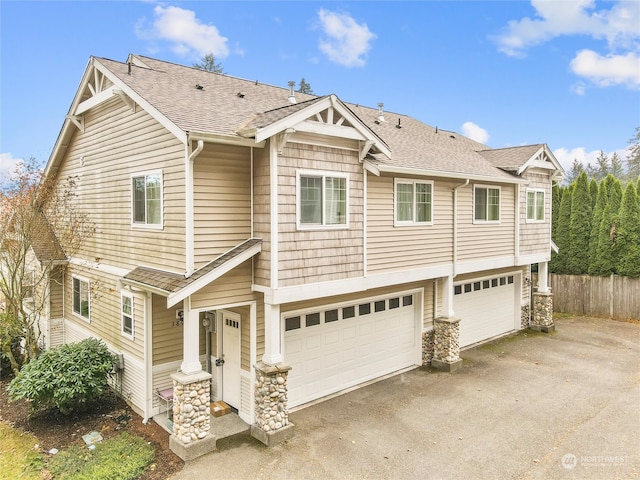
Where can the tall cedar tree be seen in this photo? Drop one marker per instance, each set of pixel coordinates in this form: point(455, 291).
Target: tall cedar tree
point(556, 197)
point(580, 227)
point(606, 259)
point(598, 212)
point(628, 237)
point(603, 167)
point(617, 170)
point(593, 191)
point(576, 169)
point(633, 157)
point(559, 263)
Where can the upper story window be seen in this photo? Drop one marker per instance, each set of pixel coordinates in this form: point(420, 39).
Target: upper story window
point(126, 310)
point(322, 199)
point(486, 204)
point(535, 205)
point(414, 202)
point(81, 300)
point(147, 199)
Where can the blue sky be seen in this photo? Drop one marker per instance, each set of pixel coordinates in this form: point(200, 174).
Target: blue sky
point(506, 73)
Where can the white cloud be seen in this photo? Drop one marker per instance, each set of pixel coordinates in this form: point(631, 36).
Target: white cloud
point(8, 165)
point(608, 70)
point(617, 25)
point(567, 156)
point(188, 35)
point(475, 132)
point(346, 42)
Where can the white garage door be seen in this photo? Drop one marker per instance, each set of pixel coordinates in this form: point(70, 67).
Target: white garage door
point(335, 348)
point(486, 308)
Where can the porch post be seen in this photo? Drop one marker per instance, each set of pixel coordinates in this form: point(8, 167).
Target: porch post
point(446, 336)
point(271, 392)
point(542, 318)
point(543, 275)
point(272, 344)
point(190, 342)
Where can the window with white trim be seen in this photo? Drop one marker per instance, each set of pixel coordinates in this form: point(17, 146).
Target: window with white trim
point(486, 204)
point(414, 202)
point(81, 298)
point(126, 313)
point(535, 205)
point(146, 199)
point(322, 199)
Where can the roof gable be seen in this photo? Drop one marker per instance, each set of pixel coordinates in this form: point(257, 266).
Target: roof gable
point(324, 116)
point(519, 159)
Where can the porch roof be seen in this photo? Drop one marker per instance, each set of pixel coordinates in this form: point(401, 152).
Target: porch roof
point(177, 287)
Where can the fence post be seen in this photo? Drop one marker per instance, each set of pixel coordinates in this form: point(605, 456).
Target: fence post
point(611, 296)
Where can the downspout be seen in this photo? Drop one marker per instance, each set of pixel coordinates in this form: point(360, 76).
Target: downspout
point(517, 224)
point(148, 355)
point(189, 207)
point(455, 226)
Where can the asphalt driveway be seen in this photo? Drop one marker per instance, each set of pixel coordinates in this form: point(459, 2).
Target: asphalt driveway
point(564, 405)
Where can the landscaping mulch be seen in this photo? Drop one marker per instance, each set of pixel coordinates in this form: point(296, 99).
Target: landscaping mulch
point(110, 416)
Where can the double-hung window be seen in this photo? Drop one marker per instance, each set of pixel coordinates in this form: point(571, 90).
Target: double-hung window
point(322, 199)
point(126, 310)
point(535, 205)
point(414, 202)
point(147, 199)
point(486, 204)
point(81, 300)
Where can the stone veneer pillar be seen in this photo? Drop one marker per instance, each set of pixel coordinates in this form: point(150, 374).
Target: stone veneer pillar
point(427, 347)
point(542, 318)
point(272, 424)
point(191, 436)
point(446, 344)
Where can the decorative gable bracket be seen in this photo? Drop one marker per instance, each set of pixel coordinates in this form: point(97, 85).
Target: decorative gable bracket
point(77, 120)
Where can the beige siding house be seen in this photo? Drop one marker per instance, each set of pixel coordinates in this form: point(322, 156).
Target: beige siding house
point(268, 248)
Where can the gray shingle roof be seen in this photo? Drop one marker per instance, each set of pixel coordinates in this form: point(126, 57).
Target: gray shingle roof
point(226, 105)
point(44, 242)
point(510, 158)
point(173, 282)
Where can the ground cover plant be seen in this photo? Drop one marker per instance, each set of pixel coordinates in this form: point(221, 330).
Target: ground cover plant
point(18, 457)
point(123, 457)
point(110, 416)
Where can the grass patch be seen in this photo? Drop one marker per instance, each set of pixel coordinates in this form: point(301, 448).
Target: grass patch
point(18, 457)
point(124, 457)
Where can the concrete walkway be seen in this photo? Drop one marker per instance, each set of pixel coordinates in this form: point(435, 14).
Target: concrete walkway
point(564, 405)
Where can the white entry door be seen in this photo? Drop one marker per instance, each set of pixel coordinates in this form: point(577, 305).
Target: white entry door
point(231, 356)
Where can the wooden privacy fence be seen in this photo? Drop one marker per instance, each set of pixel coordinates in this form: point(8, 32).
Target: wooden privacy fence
point(613, 296)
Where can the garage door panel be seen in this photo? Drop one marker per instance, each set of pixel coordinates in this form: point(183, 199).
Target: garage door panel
point(487, 311)
point(353, 350)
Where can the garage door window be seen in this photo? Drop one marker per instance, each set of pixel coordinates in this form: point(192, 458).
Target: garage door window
point(482, 285)
point(336, 314)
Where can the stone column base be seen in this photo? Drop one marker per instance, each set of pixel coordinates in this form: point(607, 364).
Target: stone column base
point(446, 344)
point(191, 451)
point(271, 413)
point(191, 436)
point(274, 437)
point(542, 318)
point(446, 366)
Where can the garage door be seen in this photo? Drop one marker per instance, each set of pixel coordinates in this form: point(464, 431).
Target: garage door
point(486, 308)
point(334, 348)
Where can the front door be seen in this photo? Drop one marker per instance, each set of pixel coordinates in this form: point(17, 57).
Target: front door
point(231, 357)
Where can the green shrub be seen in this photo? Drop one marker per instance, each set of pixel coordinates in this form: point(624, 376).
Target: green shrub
point(124, 457)
point(68, 377)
